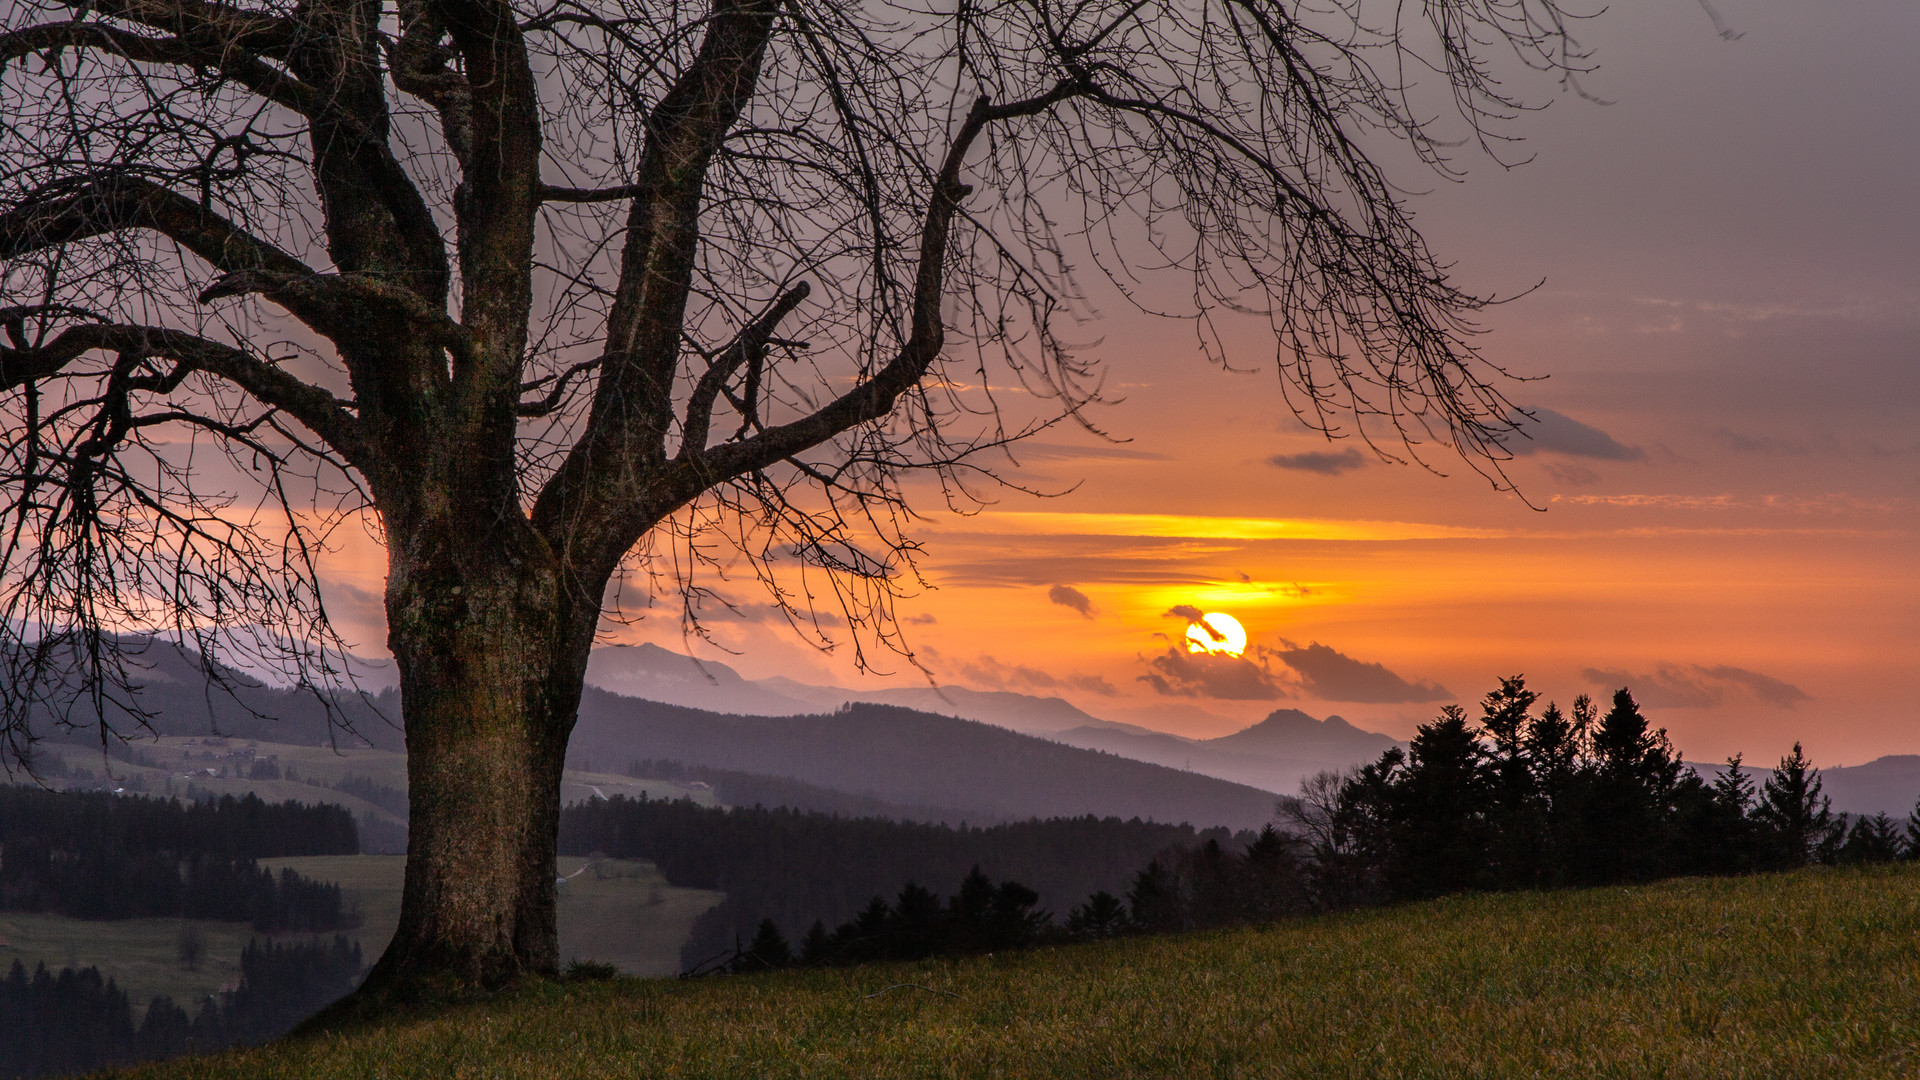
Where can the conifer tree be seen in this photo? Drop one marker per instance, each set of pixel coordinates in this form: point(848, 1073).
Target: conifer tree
point(1439, 809)
point(1795, 812)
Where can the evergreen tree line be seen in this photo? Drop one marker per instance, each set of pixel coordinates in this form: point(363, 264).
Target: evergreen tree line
point(1181, 888)
point(1516, 800)
point(97, 884)
point(115, 857)
point(981, 917)
point(230, 828)
point(801, 868)
point(1522, 799)
point(77, 1021)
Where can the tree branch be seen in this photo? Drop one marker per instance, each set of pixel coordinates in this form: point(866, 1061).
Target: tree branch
point(106, 204)
point(874, 397)
point(550, 193)
point(326, 415)
point(749, 345)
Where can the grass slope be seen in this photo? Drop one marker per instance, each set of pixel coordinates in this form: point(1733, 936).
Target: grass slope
point(1814, 974)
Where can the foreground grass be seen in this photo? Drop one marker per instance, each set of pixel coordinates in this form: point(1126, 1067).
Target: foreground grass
point(1805, 975)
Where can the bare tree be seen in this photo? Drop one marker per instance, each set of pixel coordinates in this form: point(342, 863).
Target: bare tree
point(545, 289)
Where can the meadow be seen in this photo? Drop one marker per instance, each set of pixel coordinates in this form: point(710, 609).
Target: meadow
point(1810, 974)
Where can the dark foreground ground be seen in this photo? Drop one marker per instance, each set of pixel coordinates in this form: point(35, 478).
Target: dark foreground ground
point(1811, 974)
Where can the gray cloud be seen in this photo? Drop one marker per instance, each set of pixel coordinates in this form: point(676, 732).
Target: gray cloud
point(1673, 686)
point(989, 671)
point(1179, 673)
point(1548, 431)
point(1670, 688)
point(1334, 676)
point(925, 618)
point(997, 674)
point(1185, 611)
point(1068, 596)
point(1572, 475)
point(1093, 684)
point(1765, 687)
point(1324, 462)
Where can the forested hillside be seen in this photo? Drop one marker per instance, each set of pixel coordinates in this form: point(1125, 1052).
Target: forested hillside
point(799, 868)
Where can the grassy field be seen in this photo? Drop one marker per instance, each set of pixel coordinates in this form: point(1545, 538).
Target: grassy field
point(617, 911)
point(1815, 974)
point(140, 955)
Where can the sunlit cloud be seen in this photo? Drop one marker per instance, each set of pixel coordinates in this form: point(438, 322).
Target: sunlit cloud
point(1249, 677)
point(1039, 523)
point(1332, 675)
point(996, 674)
point(1693, 686)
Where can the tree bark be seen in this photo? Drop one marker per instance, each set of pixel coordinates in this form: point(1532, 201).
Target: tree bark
point(492, 658)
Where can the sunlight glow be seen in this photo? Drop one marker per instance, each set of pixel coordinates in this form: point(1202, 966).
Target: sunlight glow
point(1217, 635)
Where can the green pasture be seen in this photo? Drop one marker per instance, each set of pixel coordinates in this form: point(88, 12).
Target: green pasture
point(1813, 974)
point(141, 955)
point(616, 911)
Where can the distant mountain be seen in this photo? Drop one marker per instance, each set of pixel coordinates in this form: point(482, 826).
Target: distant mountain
point(1886, 785)
point(1276, 753)
point(178, 693)
point(1020, 712)
point(901, 756)
point(656, 674)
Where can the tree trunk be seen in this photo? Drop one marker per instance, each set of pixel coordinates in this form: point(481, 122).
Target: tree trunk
point(491, 660)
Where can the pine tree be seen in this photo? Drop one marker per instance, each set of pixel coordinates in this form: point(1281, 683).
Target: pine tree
point(767, 951)
point(1102, 916)
point(1795, 813)
point(1635, 775)
point(1439, 811)
point(1518, 818)
point(1873, 839)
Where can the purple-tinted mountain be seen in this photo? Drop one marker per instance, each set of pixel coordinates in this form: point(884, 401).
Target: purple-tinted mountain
point(1276, 753)
point(907, 757)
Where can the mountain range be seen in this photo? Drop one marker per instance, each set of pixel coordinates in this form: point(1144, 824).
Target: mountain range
point(919, 752)
point(980, 772)
point(1274, 755)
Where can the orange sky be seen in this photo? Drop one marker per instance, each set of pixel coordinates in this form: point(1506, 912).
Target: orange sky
point(1727, 321)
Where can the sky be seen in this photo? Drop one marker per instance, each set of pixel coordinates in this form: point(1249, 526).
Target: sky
point(1718, 290)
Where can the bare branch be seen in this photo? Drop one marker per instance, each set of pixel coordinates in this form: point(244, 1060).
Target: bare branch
point(326, 415)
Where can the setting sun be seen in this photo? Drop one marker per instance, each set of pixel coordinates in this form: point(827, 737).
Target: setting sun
point(1217, 634)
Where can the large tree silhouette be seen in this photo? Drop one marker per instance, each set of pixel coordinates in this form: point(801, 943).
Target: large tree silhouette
point(542, 289)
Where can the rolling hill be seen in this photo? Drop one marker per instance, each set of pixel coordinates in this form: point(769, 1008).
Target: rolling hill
point(903, 756)
point(1781, 975)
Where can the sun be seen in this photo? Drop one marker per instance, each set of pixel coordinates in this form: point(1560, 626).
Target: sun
point(1217, 635)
